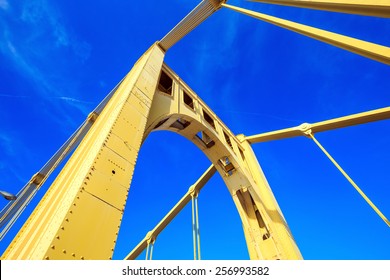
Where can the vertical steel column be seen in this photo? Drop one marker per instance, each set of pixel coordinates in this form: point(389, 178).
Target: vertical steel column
point(80, 215)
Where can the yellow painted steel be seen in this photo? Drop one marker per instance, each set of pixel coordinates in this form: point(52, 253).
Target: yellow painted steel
point(307, 129)
point(199, 14)
point(373, 206)
point(80, 215)
point(367, 49)
point(354, 119)
point(378, 8)
point(14, 209)
point(234, 160)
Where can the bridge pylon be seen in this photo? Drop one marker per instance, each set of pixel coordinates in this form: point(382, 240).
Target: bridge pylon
point(80, 215)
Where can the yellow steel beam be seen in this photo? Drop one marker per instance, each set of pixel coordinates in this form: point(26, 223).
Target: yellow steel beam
point(11, 212)
point(378, 8)
point(152, 235)
point(237, 164)
point(355, 119)
point(80, 214)
point(199, 14)
point(367, 49)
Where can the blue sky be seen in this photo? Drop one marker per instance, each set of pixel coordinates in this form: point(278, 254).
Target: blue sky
point(58, 59)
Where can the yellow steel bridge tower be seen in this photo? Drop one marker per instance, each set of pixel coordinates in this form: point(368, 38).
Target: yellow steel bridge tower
point(80, 215)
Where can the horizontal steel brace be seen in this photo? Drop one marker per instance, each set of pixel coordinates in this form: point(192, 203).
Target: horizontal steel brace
point(355, 119)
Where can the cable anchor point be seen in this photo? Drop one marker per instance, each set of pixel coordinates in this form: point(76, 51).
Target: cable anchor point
point(305, 128)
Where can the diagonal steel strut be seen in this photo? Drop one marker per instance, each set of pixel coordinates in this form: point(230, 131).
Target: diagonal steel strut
point(378, 8)
point(201, 12)
point(363, 48)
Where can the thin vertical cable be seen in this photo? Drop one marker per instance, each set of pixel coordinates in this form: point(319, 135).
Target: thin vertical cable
point(147, 251)
point(151, 250)
point(197, 226)
point(193, 226)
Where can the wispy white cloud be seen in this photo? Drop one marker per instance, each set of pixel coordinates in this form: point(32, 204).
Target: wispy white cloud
point(6, 144)
point(83, 106)
point(14, 96)
point(47, 37)
point(29, 70)
point(42, 16)
point(46, 88)
point(4, 4)
point(70, 99)
point(67, 99)
point(262, 116)
point(10, 147)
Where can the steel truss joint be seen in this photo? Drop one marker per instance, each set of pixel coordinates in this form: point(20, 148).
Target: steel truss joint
point(305, 128)
point(193, 191)
point(217, 4)
point(150, 237)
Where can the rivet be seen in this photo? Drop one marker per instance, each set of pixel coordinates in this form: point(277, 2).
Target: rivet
point(73, 255)
point(62, 228)
point(82, 258)
point(53, 247)
point(58, 237)
point(74, 204)
point(70, 211)
point(64, 251)
point(67, 219)
point(46, 258)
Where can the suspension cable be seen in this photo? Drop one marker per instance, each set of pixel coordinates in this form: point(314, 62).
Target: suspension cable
point(350, 180)
point(195, 226)
point(12, 211)
point(199, 184)
point(149, 249)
